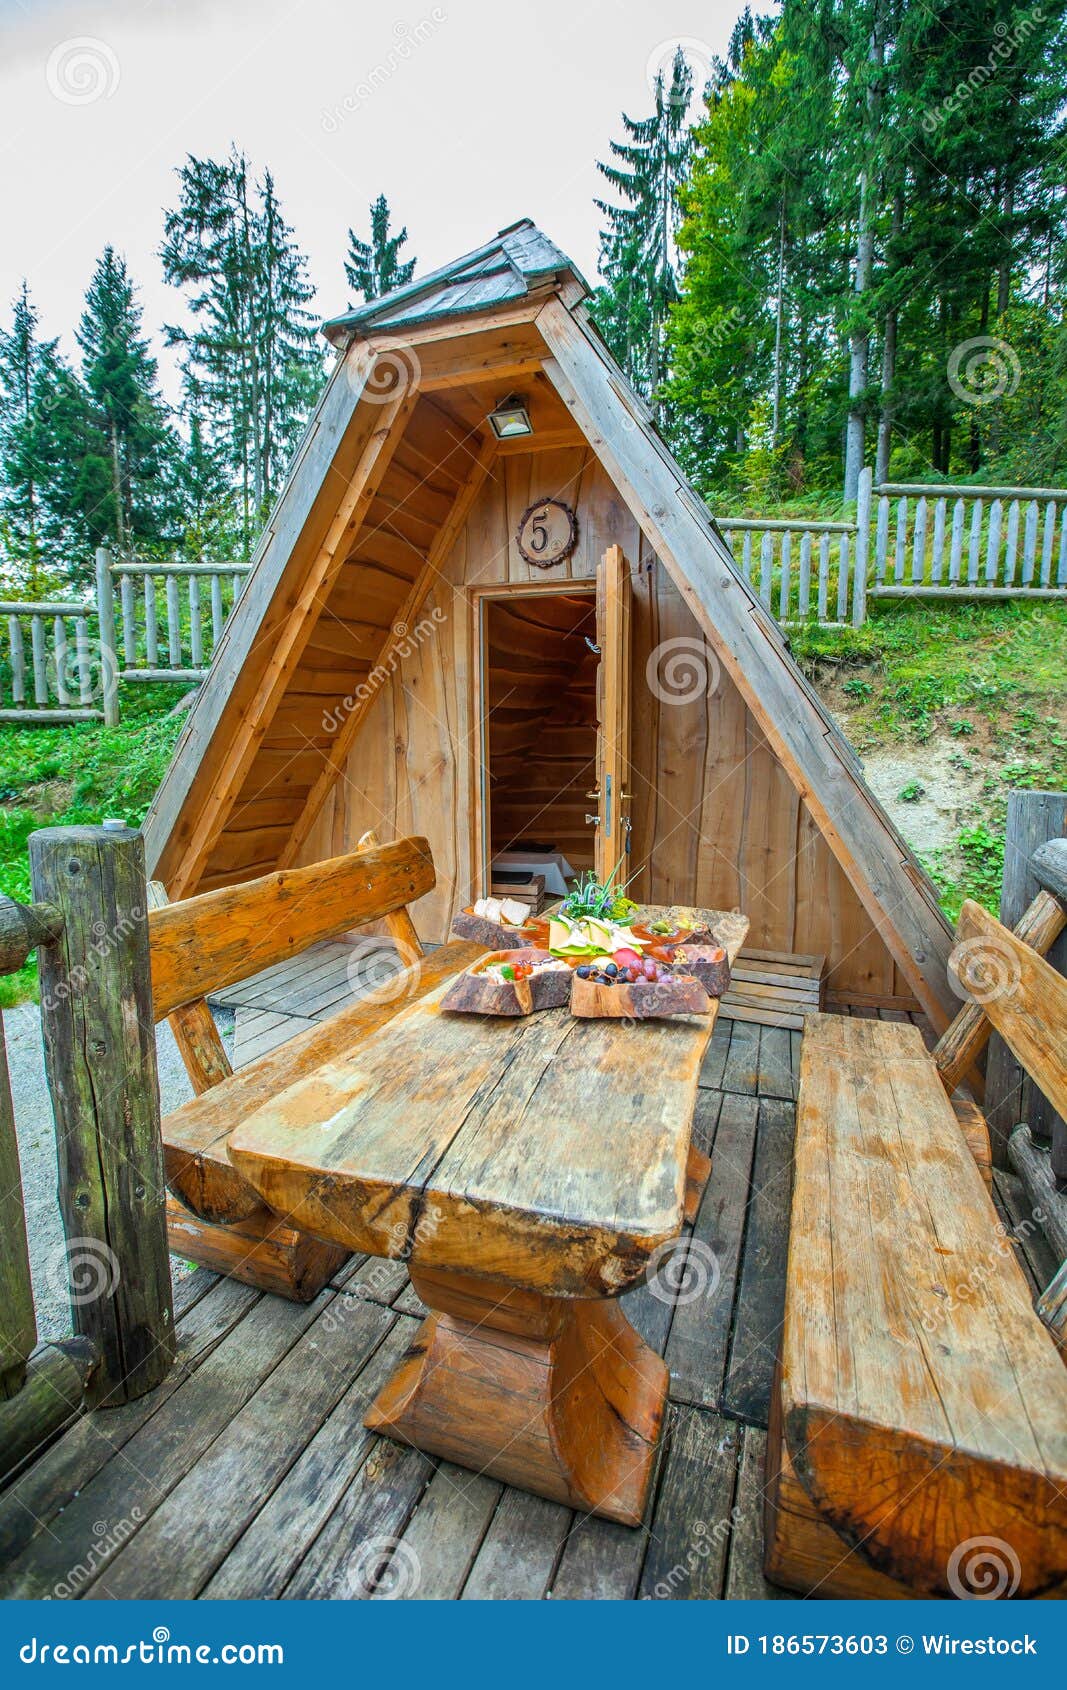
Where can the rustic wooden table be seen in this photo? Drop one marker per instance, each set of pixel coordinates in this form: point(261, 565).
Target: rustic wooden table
point(528, 1170)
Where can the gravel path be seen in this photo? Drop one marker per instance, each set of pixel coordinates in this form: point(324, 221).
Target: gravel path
point(37, 1150)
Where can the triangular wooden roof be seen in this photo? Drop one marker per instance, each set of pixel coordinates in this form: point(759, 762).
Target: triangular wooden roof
point(511, 311)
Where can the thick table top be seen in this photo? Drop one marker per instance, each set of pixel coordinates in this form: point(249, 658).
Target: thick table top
point(548, 1152)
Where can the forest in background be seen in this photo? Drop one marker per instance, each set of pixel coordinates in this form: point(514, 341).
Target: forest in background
point(841, 243)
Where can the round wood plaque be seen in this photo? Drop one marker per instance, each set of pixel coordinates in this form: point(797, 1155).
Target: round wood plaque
point(548, 533)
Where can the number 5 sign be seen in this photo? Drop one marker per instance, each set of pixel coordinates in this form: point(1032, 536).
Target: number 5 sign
point(547, 533)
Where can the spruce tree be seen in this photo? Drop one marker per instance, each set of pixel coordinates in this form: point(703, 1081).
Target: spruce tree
point(27, 364)
point(374, 267)
point(133, 444)
point(638, 258)
point(250, 356)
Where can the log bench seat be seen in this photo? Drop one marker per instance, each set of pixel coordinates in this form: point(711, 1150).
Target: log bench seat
point(920, 1405)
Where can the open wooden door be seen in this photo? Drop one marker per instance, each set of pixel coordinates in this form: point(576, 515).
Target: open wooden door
point(613, 602)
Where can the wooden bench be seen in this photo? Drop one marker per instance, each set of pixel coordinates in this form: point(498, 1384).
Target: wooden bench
point(214, 1216)
point(921, 1404)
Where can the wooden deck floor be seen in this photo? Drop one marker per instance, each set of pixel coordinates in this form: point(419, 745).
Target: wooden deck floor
point(249, 1473)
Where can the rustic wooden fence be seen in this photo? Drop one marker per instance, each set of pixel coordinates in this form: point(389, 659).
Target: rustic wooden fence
point(147, 621)
point(908, 541)
point(804, 570)
point(152, 621)
point(978, 542)
point(89, 926)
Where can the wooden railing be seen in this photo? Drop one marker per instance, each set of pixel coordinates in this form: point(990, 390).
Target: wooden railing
point(147, 621)
point(173, 641)
point(89, 927)
point(803, 569)
point(974, 542)
point(909, 540)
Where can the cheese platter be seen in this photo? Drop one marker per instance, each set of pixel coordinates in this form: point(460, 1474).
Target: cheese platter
point(600, 953)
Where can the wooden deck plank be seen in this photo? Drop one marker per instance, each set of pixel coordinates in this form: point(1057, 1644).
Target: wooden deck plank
point(166, 1447)
point(257, 1032)
point(32, 1502)
point(348, 1558)
point(699, 1339)
point(741, 1069)
point(445, 1534)
point(274, 1543)
point(744, 1568)
point(269, 986)
point(686, 1557)
point(761, 1298)
point(520, 1551)
point(775, 1075)
point(715, 1055)
point(601, 1560)
point(190, 1533)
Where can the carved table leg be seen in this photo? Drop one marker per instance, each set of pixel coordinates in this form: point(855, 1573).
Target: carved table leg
point(558, 1396)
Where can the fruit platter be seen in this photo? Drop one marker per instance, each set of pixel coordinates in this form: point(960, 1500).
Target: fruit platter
point(599, 952)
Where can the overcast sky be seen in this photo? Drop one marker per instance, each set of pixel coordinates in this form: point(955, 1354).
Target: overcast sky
point(468, 114)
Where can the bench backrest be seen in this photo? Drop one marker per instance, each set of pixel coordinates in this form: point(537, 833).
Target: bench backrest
point(217, 938)
point(1021, 995)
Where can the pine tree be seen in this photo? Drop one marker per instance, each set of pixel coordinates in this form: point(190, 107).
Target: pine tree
point(638, 258)
point(374, 267)
point(250, 356)
point(134, 442)
point(874, 184)
point(26, 367)
point(207, 515)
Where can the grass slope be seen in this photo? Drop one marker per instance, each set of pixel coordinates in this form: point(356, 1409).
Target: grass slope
point(55, 777)
point(968, 697)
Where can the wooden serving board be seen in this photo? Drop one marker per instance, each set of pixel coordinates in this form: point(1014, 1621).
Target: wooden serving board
point(476, 992)
point(467, 925)
point(639, 1000)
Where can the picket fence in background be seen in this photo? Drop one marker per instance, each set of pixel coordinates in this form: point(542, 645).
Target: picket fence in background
point(63, 661)
point(147, 621)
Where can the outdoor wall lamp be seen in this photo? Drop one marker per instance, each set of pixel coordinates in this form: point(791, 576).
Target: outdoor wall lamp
point(510, 419)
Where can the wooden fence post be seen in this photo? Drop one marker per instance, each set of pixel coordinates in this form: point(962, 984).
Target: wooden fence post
point(18, 1324)
point(109, 657)
point(1033, 819)
point(863, 546)
point(100, 1053)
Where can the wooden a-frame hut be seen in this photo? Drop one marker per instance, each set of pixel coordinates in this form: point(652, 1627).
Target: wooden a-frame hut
point(402, 659)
